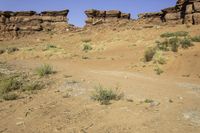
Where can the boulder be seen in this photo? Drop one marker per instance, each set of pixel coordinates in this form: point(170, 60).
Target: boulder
point(150, 15)
point(196, 17)
point(8, 13)
point(180, 2)
point(25, 13)
point(189, 9)
point(188, 19)
point(113, 13)
point(91, 13)
point(101, 14)
point(196, 6)
point(126, 15)
point(55, 13)
point(173, 16)
point(2, 19)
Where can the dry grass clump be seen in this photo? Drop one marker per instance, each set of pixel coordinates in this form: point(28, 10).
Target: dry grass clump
point(44, 70)
point(105, 95)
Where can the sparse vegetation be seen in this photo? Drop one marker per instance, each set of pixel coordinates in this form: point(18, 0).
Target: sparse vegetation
point(158, 58)
point(9, 84)
point(148, 101)
point(44, 70)
point(174, 44)
point(32, 86)
point(87, 47)
point(49, 46)
point(12, 49)
point(105, 95)
point(149, 53)
point(158, 70)
point(185, 43)
point(195, 38)
point(174, 34)
point(10, 96)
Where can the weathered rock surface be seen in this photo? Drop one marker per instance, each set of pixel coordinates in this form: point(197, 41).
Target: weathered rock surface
point(13, 24)
point(99, 17)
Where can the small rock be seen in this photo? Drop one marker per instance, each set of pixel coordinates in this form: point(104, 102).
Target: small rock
point(181, 98)
point(171, 101)
point(154, 103)
point(20, 123)
point(129, 100)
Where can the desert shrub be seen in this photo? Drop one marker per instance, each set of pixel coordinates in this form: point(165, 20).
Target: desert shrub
point(167, 34)
point(164, 46)
point(158, 57)
point(49, 46)
point(86, 40)
point(181, 33)
point(174, 44)
point(148, 101)
point(195, 39)
point(10, 96)
point(185, 43)
point(105, 95)
point(12, 49)
point(9, 84)
point(44, 70)
point(149, 53)
point(158, 70)
point(87, 47)
point(174, 34)
point(32, 86)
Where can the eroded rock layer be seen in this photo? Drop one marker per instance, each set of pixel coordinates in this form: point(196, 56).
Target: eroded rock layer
point(98, 17)
point(13, 24)
point(184, 12)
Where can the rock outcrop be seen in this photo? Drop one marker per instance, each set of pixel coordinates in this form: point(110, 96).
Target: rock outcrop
point(184, 12)
point(13, 24)
point(98, 17)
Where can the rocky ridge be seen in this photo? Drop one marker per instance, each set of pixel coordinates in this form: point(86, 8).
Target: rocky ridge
point(14, 24)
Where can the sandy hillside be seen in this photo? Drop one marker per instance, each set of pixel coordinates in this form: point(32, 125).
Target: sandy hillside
point(151, 103)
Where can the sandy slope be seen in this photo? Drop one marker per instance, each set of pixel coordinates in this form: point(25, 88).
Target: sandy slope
point(114, 61)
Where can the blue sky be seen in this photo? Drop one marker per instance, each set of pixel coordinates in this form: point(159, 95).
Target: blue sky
point(77, 7)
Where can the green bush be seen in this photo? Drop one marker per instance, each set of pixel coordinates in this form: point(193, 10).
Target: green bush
point(87, 47)
point(158, 57)
point(105, 95)
point(195, 39)
point(164, 46)
point(149, 53)
point(174, 44)
point(44, 70)
point(185, 43)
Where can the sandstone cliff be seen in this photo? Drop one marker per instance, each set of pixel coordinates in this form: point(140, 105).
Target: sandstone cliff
point(13, 24)
point(99, 17)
